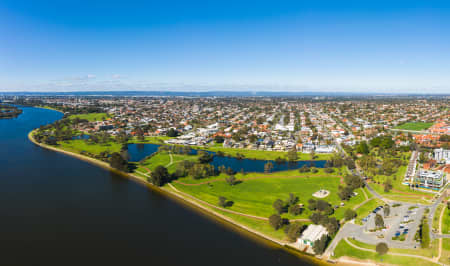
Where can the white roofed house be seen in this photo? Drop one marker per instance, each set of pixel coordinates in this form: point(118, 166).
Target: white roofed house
point(313, 233)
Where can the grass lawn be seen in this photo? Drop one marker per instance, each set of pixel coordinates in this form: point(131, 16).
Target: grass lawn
point(258, 225)
point(417, 126)
point(150, 139)
point(91, 117)
point(426, 252)
point(445, 256)
point(263, 155)
point(79, 145)
point(446, 222)
point(437, 216)
point(256, 196)
point(163, 158)
point(367, 208)
point(344, 249)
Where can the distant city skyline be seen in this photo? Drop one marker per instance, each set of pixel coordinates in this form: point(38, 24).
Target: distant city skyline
point(324, 46)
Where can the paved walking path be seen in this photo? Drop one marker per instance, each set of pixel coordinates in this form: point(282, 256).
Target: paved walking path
point(361, 204)
point(171, 160)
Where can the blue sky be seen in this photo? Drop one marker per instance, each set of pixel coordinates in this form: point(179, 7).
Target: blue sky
point(377, 46)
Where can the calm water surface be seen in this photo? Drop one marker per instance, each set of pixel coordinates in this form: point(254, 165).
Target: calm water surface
point(57, 210)
point(138, 152)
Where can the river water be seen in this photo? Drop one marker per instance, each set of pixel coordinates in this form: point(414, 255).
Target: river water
point(57, 210)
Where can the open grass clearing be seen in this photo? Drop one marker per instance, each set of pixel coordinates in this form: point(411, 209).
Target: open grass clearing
point(426, 252)
point(256, 196)
point(446, 221)
point(79, 145)
point(416, 126)
point(91, 117)
point(344, 249)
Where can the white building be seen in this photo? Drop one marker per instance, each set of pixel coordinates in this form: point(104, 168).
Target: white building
point(313, 233)
point(431, 179)
point(442, 156)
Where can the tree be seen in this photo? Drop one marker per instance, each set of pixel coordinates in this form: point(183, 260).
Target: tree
point(118, 162)
point(387, 185)
point(386, 210)
point(293, 231)
point(312, 155)
point(268, 167)
point(379, 222)
point(292, 155)
point(382, 248)
point(295, 209)
point(332, 225)
point(362, 148)
point(316, 217)
point(172, 133)
point(231, 180)
point(159, 176)
point(328, 170)
point(349, 214)
point(353, 181)
point(275, 221)
point(252, 138)
point(222, 202)
point(292, 199)
point(320, 244)
point(278, 205)
point(219, 139)
point(139, 133)
point(345, 193)
point(205, 157)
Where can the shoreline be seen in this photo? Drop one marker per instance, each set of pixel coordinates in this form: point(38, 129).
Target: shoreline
point(193, 205)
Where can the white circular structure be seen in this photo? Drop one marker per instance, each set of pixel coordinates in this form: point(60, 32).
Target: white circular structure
point(321, 193)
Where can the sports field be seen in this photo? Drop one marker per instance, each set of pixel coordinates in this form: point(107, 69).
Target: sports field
point(416, 126)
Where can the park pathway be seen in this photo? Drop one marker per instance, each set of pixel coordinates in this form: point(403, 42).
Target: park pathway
point(393, 253)
point(440, 231)
point(171, 160)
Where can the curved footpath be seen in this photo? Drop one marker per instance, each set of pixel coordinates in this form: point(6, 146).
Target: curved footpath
point(393, 253)
point(177, 196)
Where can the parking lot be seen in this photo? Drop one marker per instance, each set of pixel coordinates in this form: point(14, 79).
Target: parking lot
point(402, 222)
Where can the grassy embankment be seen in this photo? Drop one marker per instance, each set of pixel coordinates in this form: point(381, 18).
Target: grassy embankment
point(263, 155)
point(415, 126)
point(344, 249)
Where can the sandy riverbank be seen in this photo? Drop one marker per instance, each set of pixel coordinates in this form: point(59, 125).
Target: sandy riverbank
point(192, 204)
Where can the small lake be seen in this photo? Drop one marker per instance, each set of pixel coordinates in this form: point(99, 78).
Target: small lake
point(138, 152)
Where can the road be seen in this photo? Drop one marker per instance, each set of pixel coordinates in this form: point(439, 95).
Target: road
point(352, 230)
